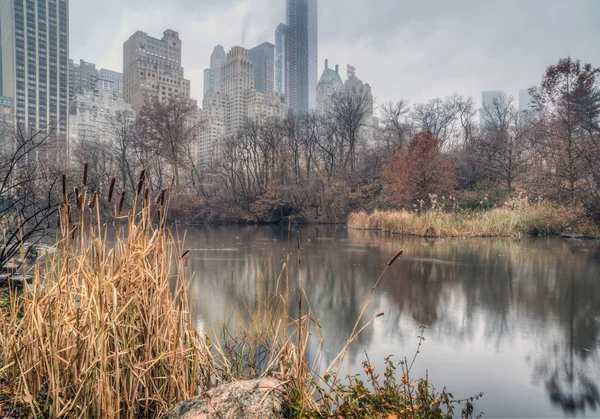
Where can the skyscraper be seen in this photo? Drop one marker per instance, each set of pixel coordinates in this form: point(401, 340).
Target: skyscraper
point(262, 57)
point(34, 40)
point(152, 69)
point(237, 76)
point(114, 78)
point(212, 75)
point(303, 54)
point(524, 100)
point(281, 59)
point(489, 96)
point(82, 77)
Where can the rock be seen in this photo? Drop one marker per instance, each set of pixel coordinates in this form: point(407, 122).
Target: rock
point(264, 399)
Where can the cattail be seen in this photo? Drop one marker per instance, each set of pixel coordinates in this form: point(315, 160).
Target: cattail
point(93, 200)
point(141, 181)
point(379, 314)
point(111, 188)
point(77, 197)
point(160, 199)
point(396, 256)
point(184, 254)
point(121, 201)
point(147, 196)
point(64, 187)
point(85, 173)
point(69, 215)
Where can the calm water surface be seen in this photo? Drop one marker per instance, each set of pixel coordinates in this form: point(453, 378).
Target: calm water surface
point(516, 319)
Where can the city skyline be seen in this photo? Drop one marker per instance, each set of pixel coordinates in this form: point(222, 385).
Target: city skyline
point(458, 52)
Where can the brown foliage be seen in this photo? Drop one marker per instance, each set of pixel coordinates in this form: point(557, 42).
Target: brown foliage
point(419, 172)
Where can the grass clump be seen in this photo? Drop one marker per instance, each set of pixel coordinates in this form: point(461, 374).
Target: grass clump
point(516, 218)
point(105, 331)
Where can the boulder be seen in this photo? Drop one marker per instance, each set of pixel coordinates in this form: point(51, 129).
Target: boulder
point(265, 399)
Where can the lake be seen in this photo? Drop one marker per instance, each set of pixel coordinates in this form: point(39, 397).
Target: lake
point(518, 319)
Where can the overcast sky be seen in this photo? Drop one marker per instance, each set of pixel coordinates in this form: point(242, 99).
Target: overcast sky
point(417, 49)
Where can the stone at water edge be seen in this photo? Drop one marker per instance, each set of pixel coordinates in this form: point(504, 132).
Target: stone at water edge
point(265, 399)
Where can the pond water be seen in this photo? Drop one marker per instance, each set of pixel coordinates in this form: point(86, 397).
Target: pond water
point(518, 319)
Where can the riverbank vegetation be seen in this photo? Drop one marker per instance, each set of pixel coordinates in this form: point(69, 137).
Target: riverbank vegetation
point(516, 218)
point(106, 329)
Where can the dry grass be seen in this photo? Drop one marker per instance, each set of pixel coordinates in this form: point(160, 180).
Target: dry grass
point(100, 332)
point(517, 219)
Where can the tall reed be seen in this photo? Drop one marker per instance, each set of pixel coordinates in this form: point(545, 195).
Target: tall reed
point(105, 330)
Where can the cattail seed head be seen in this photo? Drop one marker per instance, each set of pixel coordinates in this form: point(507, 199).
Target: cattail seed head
point(141, 181)
point(77, 197)
point(160, 199)
point(85, 174)
point(184, 254)
point(64, 187)
point(147, 196)
point(111, 188)
point(93, 200)
point(396, 256)
point(121, 202)
point(379, 314)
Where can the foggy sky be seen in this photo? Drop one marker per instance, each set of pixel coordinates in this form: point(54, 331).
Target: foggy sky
point(417, 49)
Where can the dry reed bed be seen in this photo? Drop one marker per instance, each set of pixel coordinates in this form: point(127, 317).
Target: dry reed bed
point(100, 332)
point(519, 220)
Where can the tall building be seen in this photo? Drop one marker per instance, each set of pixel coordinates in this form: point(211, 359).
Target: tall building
point(111, 80)
point(94, 115)
point(226, 112)
point(262, 57)
point(282, 70)
point(302, 54)
point(212, 75)
point(82, 77)
point(329, 83)
point(152, 69)
point(487, 100)
point(237, 76)
point(6, 123)
point(35, 61)
point(489, 96)
point(524, 100)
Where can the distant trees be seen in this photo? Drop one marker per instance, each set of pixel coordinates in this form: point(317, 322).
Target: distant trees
point(414, 175)
point(567, 116)
point(502, 148)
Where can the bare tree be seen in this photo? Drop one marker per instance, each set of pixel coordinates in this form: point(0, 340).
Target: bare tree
point(503, 146)
point(396, 127)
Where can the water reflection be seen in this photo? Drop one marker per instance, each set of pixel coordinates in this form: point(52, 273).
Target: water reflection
point(513, 318)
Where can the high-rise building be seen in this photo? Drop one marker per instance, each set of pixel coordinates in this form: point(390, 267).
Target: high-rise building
point(225, 113)
point(262, 57)
point(96, 114)
point(212, 75)
point(524, 100)
point(152, 69)
point(35, 61)
point(6, 124)
point(237, 76)
point(82, 77)
point(329, 83)
point(111, 80)
point(282, 71)
point(489, 96)
point(303, 54)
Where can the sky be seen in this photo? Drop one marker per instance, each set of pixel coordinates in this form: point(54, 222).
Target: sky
point(413, 49)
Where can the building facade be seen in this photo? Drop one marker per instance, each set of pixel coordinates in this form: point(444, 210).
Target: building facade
point(281, 60)
point(152, 69)
point(7, 120)
point(111, 80)
point(82, 77)
point(212, 75)
point(263, 61)
point(225, 113)
point(237, 77)
point(302, 54)
point(329, 83)
point(35, 62)
point(95, 114)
